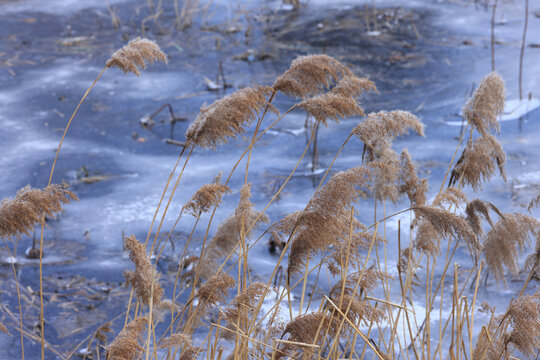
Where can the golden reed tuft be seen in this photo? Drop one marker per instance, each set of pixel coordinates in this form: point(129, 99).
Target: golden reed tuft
point(127, 345)
point(145, 279)
point(208, 196)
point(486, 105)
point(215, 289)
point(505, 241)
point(20, 215)
point(228, 117)
point(182, 341)
point(135, 55)
point(478, 162)
point(311, 75)
point(326, 219)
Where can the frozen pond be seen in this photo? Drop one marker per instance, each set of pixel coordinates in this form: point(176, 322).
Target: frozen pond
point(424, 57)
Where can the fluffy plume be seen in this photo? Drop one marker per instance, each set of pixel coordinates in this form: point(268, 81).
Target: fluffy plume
point(478, 162)
point(228, 117)
point(384, 161)
point(326, 219)
point(447, 224)
point(127, 344)
point(479, 207)
point(135, 55)
point(532, 263)
point(486, 105)
point(427, 238)
point(506, 241)
point(409, 182)
point(452, 196)
point(331, 106)
point(524, 313)
point(281, 230)
point(240, 311)
point(215, 289)
point(145, 279)
point(352, 86)
point(183, 341)
point(208, 196)
point(3, 328)
point(385, 126)
point(311, 75)
point(309, 328)
point(229, 233)
point(20, 215)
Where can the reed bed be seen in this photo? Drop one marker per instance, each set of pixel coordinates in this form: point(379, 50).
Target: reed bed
point(219, 309)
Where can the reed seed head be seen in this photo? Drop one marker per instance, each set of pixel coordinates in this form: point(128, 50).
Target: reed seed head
point(134, 56)
point(127, 345)
point(145, 279)
point(486, 105)
point(208, 196)
point(215, 289)
point(228, 117)
point(20, 215)
point(311, 75)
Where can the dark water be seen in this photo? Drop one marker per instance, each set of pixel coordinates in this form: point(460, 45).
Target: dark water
point(426, 58)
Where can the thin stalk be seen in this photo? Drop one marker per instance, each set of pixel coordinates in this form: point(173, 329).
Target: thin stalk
point(41, 314)
point(522, 51)
point(18, 295)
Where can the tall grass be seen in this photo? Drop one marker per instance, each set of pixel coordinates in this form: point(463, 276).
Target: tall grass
point(367, 309)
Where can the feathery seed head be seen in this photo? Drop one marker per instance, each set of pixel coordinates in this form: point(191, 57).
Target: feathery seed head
point(311, 75)
point(135, 55)
point(486, 105)
point(228, 117)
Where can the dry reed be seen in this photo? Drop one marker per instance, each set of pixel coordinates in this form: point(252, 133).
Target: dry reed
point(20, 215)
point(145, 279)
point(228, 117)
point(127, 345)
point(135, 55)
point(311, 75)
point(486, 105)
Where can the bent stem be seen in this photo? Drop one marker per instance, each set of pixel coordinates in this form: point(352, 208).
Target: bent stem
point(41, 314)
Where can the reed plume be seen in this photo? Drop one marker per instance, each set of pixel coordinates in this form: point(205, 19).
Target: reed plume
point(532, 263)
point(135, 55)
point(228, 234)
point(385, 126)
point(479, 207)
point(215, 289)
point(183, 341)
point(443, 223)
point(451, 196)
point(331, 106)
point(240, 310)
point(311, 75)
point(307, 329)
point(486, 105)
point(503, 244)
point(127, 345)
point(20, 215)
point(408, 181)
point(524, 313)
point(282, 229)
point(145, 279)
point(352, 86)
point(228, 117)
point(478, 162)
point(427, 238)
point(326, 219)
point(208, 196)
